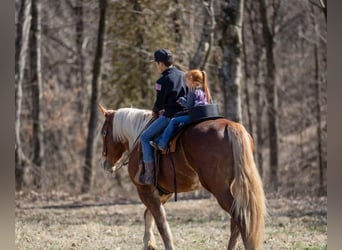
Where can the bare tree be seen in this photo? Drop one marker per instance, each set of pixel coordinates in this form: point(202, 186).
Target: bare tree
point(140, 44)
point(254, 69)
point(22, 39)
point(176, 18)
point(37, 93)
point(78, 10)
point(317, 82)
point(231, 46)
point(205, 44)
point(271, 94)
point(87, 168)
point(247, 74)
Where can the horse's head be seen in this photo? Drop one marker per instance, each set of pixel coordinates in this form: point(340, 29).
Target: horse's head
point(112, 148)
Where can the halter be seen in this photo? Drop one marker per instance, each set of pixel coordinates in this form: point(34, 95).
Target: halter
point(128, 155)
point(123, 160)
point(104, 134)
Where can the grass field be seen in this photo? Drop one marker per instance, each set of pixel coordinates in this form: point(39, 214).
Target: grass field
point(87, 223)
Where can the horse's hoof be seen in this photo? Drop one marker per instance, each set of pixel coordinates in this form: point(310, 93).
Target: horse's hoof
point(151, 247)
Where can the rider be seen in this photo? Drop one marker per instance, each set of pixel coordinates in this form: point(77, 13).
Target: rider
point(198, 95)
point(169, 88)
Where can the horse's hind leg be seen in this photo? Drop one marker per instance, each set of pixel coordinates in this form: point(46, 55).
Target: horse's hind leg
point(225, 200)
point(234, 235)
point(149, 240)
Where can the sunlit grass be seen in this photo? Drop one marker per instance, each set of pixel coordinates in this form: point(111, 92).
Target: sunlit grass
point(195, 224)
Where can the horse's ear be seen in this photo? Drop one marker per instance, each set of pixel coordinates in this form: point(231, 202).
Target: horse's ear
point(102, 109)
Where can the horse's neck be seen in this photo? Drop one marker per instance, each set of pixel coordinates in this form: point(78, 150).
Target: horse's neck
point(134, 127)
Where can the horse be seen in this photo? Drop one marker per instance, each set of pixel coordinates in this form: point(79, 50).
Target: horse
point(215, 154)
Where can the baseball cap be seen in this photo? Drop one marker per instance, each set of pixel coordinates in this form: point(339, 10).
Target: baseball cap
point(162, 55)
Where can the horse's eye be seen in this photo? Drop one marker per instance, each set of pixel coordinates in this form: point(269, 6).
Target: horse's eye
point(104, 133)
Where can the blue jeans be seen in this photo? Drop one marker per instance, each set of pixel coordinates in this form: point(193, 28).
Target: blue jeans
point(171, 128)
point(148, 135)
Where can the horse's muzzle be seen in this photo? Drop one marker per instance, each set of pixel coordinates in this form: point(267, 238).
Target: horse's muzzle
point(105, 165)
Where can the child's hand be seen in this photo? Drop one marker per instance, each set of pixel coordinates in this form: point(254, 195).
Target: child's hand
point(181, 99)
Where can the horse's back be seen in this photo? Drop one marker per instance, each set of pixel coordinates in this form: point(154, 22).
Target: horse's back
point(207, 138)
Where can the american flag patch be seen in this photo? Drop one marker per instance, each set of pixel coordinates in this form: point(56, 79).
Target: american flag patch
point(158, 87)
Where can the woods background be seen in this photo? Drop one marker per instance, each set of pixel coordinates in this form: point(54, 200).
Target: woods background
point(266, 63)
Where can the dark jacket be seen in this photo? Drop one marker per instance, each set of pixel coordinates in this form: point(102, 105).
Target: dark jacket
point(169, 87)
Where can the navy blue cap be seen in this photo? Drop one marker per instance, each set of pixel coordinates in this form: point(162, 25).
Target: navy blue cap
point(163, 55)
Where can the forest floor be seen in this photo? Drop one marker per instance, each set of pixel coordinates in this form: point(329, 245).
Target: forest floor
point(86, 222)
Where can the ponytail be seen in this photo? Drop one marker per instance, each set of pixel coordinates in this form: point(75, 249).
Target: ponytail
point(206, 87)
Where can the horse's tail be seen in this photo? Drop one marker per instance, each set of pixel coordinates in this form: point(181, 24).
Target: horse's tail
point(249, 207)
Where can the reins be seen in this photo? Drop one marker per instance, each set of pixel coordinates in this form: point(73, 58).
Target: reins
point(121, 163)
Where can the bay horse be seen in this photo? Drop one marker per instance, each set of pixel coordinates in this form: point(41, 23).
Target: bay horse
point(216, 154)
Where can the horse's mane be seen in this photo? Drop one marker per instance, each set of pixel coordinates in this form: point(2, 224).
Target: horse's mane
point(128, 124)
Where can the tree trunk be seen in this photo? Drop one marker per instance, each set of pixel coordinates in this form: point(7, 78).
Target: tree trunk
point(202, 53)
point(37, 93)
point(78, 10)
point(177, 27)
point(23, 30)
point(318, 109)
point(231, 46)
point(96, 81)
point(140, 43)
point(259, 107)
point(247, 80)
point(271, 96)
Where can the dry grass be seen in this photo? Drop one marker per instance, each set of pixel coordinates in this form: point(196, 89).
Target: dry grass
point(67, 222)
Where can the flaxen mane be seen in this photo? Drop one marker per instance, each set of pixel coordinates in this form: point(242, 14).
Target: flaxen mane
point(128, 124)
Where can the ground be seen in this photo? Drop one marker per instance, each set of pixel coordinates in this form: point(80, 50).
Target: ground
point(86, 222)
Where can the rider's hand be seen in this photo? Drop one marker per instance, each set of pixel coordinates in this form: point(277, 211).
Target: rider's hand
point(161, 112)
point(154, 115)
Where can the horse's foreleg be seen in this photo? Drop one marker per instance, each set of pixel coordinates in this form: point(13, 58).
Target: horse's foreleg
point(149, 240)
point(153, 203)
point(163, 226)
point(234, 235)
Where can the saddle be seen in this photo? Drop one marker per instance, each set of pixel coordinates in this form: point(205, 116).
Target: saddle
point(197, 114)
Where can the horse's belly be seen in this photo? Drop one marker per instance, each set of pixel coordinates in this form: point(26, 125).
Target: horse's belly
point(186, 178)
